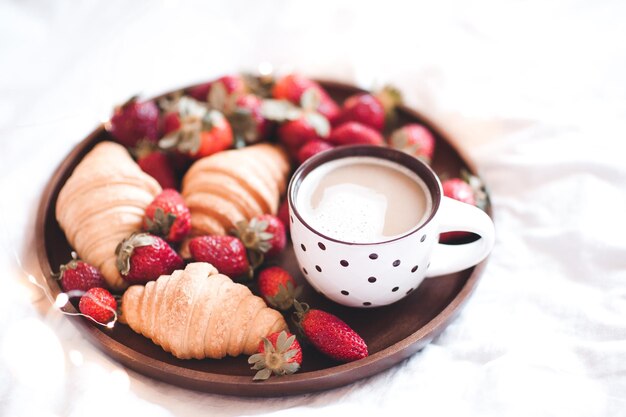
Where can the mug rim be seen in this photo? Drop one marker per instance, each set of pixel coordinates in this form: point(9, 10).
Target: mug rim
point(415, 165)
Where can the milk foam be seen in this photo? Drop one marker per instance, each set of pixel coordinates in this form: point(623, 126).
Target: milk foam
point(363, 199)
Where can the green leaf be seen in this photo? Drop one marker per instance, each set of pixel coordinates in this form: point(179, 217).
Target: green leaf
point(255, 258)
point(291, 367)
point(169, 142)
point(290, 354)
point(280, 342)
point(267, 345)
point(262, 375)
point(319, 123)
point(255, 358)
point(279, 110)
point(218, 96)
point(310, 99)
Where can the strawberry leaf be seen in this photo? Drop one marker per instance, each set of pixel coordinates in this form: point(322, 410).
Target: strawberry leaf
point(218, 96)
point(262, 375)
point(319, 123)
point(280, 110)
point(310, 99)
point(244, 125)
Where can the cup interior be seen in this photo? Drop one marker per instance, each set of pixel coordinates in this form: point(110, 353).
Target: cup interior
point(421, 169)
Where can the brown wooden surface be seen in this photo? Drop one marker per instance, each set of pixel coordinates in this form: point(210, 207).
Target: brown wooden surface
point(392, 333)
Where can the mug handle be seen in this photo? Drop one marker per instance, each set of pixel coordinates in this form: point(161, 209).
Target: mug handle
point(458, 216)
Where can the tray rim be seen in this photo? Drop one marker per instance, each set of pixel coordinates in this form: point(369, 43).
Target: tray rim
point(298, 383)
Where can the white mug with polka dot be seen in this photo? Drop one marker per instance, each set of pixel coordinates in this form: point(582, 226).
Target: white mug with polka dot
point(375, 274)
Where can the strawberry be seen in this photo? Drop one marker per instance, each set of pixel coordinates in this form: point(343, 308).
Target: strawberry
point(202, 132)
point(414, 139)
point(134, 121)
point(230, 83)
point(279, 353)
point(354, 133)
point(200, 92)
point(294, 134)
point(159, 166)
point(299, 124)
point(216, 136)
point(369, 109)
point(233, 84)
point(171, 122)
point(468, 189)
point(312, 147)
point(460, 190)
point(77, 275)
point(98, 304)
point(168, 216)
point(291, 88)
point(277, 287)
point(329, 334)
point(143, 257)
point(283, 214)
point(226, 253)
point(264, 234)
point(247, 120)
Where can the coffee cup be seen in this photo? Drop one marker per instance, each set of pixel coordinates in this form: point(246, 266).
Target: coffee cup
point(365, 224)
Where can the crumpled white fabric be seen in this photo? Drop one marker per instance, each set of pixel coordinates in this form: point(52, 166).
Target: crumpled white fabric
point(533, 92)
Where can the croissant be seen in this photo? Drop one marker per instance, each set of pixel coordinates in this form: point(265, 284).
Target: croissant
point(199, 313)
point(234, 185)
point(103, 202)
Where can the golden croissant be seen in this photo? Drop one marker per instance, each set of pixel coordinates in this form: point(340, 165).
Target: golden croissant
point(234, 185)
point(101, 203)
point(199, 313)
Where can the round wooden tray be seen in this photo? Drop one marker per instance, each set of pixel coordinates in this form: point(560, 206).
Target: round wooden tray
point(392, 333)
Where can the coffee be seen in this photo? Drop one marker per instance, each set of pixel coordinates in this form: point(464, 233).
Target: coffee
point(363, 200)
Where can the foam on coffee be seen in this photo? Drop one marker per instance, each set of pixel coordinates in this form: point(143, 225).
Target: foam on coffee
point(363, 199)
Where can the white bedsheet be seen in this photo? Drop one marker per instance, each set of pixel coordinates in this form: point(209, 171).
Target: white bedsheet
point(534, 92)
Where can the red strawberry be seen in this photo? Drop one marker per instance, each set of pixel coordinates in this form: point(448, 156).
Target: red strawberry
point(469, 190)
point(313, 147)
point(159, 166)
point(283, 214)
point(77, 275)
point(459, 190)
point(98, 304)
point(329, 334)
point(226, 253)
point(171, 122)
point(202, 132)
point(168, 216)
point(143, 257)
point(247, 120)
point(264, 234)
point(291, 87)
point(200, 92)
point(134, 121)
point(215, 136)
point(295, 133)
point(354, 133)
point(369, 109)
point(277, 287)
point(279, 353)
point(414, 139)
point(233, 84)
point(299, 124)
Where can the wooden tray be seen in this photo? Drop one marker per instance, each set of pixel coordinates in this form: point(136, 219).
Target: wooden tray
point(392, 333)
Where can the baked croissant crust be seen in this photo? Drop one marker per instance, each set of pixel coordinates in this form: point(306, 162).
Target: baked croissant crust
point(199, 313)
point(101, 203)
point(234, 185)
